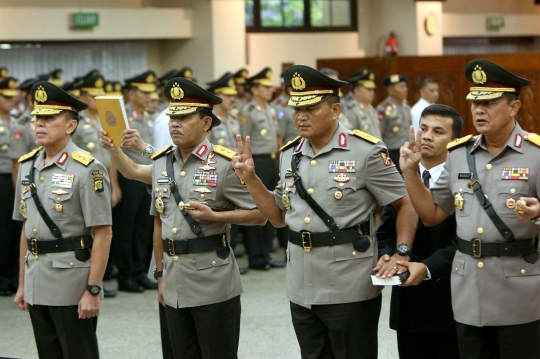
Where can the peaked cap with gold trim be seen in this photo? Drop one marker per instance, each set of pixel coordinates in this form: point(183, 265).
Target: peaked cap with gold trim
point(394, 79)
point(310, 86)
point(363, 77)
point(491, 80)
point(264, 78)
point(55, 76)
point(113, 88)
point(187, 98)
point(26, 86)
point(145, 82)
point(224, 85)
point(240, 76)
point(169, 75)
point(73, 88)
point(50, 99)
point(3, 72)
point(8, 87)
point(185, 72)
point(93, 85)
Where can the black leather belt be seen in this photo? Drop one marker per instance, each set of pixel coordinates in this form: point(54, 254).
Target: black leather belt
point(59, 245)
point(195, 245)
point(477, 248)
point(307, 240)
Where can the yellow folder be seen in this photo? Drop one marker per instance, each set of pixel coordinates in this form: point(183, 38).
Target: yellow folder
point(113, 117)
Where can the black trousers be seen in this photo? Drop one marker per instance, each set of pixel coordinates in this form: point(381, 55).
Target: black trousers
point(427, 345)
point(166, 346)
point(205, 332)
point(338, 331)
point(11, 235)
point(60, 334)
point(132, 230)
point(258, 239)
point(503, 342)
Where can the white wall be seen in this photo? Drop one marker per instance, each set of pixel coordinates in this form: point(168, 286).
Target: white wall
point(428, 44)
point(474, 25)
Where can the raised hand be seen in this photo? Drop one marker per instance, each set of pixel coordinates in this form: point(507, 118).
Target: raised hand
point(105, 141)
point(411, 152)
point(133, 139)
point(527, 208)
point(243, 161)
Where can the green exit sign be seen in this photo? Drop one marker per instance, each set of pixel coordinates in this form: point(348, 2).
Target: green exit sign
point(84, 19)
point(495, 22)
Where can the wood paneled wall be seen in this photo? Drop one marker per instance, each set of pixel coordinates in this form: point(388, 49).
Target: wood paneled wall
point(449, 72)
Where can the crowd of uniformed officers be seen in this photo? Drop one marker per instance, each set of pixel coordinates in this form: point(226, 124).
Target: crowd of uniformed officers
point(199, 169)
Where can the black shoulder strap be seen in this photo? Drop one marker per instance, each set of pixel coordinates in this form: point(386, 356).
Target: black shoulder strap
point(327, 219)
point(46, 218)
point(477, 187)
point(193, 224)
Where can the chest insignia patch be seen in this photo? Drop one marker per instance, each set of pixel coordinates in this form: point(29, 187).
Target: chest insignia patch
point(164, 174)
point(465, 175)
point(205, 179)
point(203, 190)
point(60, 180)
point(515, 173)
point(162, 180)
point(342, 178)
point(342, 166)
point(59, 192)
point(342, 139)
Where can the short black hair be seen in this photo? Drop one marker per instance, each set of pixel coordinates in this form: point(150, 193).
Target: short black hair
point(426, 81)
point(206, 112)
point(332, 99)
point(446, 111)
point(72, 116)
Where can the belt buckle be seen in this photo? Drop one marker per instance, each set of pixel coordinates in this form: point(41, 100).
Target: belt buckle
point(172, 252)
point(477, 248)
point(307, 248)
point(33, 246)
point(471, 184)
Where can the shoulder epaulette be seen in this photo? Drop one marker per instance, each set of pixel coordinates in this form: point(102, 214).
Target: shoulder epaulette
point(291, 143)
point(533, 138)
point(223, 151)
point(82, 157)
point(365, 136)
point(161, 152)
point(30, 155)
point(460, 141)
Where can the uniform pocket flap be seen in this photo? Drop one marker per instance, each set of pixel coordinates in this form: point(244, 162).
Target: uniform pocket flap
point(209, 260)
point(67, 263)
point(517, 267)
point(345, 252)
point(458, 266)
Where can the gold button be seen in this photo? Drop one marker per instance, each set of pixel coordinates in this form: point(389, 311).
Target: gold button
point(461, 189)
point(273, 155)
point(183, 174)
point(456, 269)
point(175, 258)
point(287, 250)
point(489, 166)
point(342, 184)
point(213, 263)
point(157, 190)
point(480, 265)
point(307, 220)
point(71, 264)
point(523, 271)
point(480, 230)
point(310, 191)
point(354, 254)
point(313, 162)
point(41, 179)
point(513, 190)
point(36, 257)
point(486, 195)
point(202, 195)
point(34, 231)
point(165, 190)
point(175, 230)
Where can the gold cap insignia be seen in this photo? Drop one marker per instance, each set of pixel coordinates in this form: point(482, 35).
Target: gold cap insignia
point(11, 84)
point(269, 74)
point(479, 76)
point(244, 73)
point(3, 73)
point(230, 83)
point(372, 76)
point(297, 82)
point(176, 92)
point(108, 88)
point(150, 78)
point(188, 74)
point(394, 79)
point(40, 95)
point(99, 82)
point(118, 87)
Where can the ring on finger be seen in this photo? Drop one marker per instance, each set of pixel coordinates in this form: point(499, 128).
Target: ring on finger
point(396, 269)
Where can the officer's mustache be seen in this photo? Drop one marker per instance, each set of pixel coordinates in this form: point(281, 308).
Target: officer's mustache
point(176, 132)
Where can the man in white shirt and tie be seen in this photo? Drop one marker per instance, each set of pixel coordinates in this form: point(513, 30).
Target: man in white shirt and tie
point(429, 94)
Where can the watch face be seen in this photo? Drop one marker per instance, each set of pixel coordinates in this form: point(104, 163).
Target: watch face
point(94, 289)
point(403, 248)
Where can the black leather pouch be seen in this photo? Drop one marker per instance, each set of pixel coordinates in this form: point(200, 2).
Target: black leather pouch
point(82, 254)
point(223, 252)
point(362, 244)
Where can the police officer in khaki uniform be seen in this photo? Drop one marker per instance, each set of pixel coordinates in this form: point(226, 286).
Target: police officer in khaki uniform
point(258, 120)
point(244, 95)
point(395, 115)
point(361, 114)
point(194, 194)
point(64, 248)
point(287, 131)
point(491, 182)
point(132, 225)
point(225, 133)
point(331, 181)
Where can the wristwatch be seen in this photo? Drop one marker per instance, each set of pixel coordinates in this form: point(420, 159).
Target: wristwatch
point(403, 249)
point(93, 289)
point(157, 274)
point(148, 151)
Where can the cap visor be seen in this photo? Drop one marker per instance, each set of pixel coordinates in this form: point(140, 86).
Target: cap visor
point(181, 110)
point(145, 87)
point(484, 95)
point(300, 101)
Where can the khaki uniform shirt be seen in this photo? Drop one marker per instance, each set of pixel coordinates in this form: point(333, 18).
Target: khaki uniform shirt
point(83, 193)
point(87, 137)
point(364, 119)
point(200, 278)
point(395, 120)
point(493, 291)
point(336, 274)
point(286, 123)
point(225, 133)
point(145, 125)
point(24, 136)
point(6, 142)
point(261, 125)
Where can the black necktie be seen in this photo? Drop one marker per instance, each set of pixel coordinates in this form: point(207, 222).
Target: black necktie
point(425, 178)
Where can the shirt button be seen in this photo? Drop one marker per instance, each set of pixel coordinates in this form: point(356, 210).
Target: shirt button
point(165, 190)
point(175, 258)
point(523, 271)
point(310, 191)
point(313, 162)
point(213, 263)
point(480, 265)
point(71, 264)
point(175, 230)
point(202, 195)
point(183, 174)
point(461, 190)
point(480, 230)
point(41, 179)
point(456, 269)
point(354, 254)
point(513, 190)
point(342, 184)
point(307, 220)
point(157, 190)
point(489, 166)
point(34, 231)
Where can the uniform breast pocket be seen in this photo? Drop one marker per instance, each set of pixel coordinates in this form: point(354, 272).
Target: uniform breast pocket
point(209, 260)
point(341, 191)
point(464, 199)
point(508, 194)
point(70, 262)
point(60, 207)
point(164, 202)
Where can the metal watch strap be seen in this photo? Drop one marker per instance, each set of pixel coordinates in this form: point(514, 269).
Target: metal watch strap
point(193, 224)
point(327, 219)
point(44, 215)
